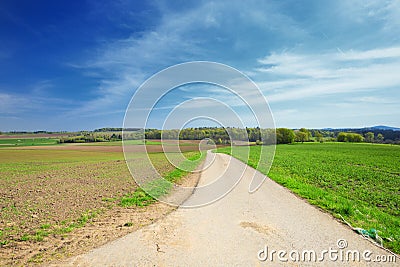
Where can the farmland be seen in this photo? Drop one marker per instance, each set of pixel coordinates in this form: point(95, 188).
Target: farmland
point(56, 200)
point(50, 193)
point(358, 181)
point(13, 142)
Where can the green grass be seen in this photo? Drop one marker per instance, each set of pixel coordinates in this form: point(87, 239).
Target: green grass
point(151, 191)
point(11, 142)
point(138, 198)
point(361, 182)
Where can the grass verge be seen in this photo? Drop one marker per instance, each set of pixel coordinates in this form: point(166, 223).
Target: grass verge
point(147, 195)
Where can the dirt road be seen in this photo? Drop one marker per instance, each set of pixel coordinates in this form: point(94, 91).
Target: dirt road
point(236, 231)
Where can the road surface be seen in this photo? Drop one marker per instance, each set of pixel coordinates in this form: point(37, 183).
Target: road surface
point(240, 229)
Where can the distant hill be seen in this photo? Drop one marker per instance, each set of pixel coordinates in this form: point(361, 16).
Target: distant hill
point(372, 128)
point(382, 127)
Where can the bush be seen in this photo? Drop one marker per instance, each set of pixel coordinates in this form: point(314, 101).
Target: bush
point(284, 136)
point(350, 137)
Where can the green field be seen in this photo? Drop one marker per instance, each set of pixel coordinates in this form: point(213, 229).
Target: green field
point(361, 182)
point(10, 142)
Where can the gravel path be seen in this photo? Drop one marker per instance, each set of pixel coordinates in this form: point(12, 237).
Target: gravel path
point(235, 230)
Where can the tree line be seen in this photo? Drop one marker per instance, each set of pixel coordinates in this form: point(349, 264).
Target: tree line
point(266, 136)
point(228, 135)
point(89, 137)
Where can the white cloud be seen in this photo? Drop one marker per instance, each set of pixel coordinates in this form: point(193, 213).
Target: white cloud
point(22, 105)
point(180, 36)
point(381, 53)
point(12, 104)
point(377, 100)
point(41, 87)
point(214, 30)
point(310, 75)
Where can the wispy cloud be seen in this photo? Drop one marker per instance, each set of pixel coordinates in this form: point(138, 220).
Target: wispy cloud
point(310, 60)
point(21, 104)
point(13, 104)
point(373, 54)
point(377, 100)
point(42, 87)
point(197, 33)
point(299, 76)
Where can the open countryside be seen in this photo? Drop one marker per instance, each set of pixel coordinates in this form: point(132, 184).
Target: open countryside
point(52, 193)
point(199, 133)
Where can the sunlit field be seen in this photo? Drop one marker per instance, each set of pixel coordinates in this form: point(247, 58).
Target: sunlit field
point(54, 190)
point(361, 182)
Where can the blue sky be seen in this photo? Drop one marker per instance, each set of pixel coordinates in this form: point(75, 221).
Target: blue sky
point(73, 65)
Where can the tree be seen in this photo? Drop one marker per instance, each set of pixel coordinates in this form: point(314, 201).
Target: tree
point(350, 137)
point(380, 137)
point(342, 137)
point(284, 136)
point(254, 134)
point(354, 137)
point(307, 132)
point(369, 137)
point(301, 137)
point(268, 136)
point(318, 136)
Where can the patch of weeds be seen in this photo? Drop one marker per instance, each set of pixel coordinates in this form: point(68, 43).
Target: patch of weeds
point(128, 224)
point(82, 220)
point(40, 235)
point(63, 228)
point(85, 217)
point(24, 238)
point(66, 229)
point(45, 226)
point(138, 198)
point(159, 187)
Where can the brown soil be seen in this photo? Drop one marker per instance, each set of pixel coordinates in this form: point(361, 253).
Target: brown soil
point(112, 222)
point(57, 195)
point(99, 148)
point(74, 147)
